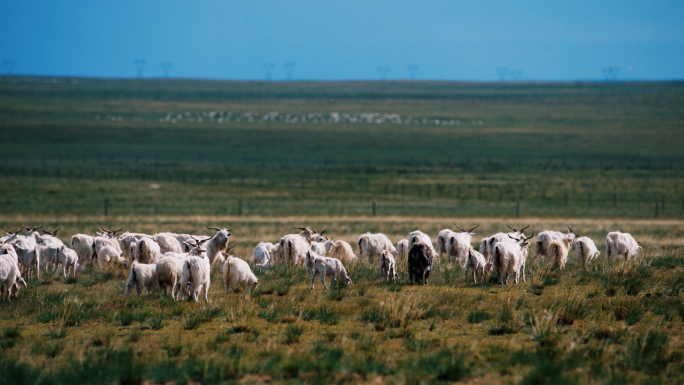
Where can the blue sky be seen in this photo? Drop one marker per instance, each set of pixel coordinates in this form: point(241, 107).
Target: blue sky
point(339, 40)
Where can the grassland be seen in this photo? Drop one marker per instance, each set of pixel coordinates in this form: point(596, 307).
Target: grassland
point(600, 156)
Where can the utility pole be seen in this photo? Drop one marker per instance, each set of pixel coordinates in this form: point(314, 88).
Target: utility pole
point(139, 65)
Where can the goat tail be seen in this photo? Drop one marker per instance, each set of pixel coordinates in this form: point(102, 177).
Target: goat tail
point(538, 248)
point(555, 252)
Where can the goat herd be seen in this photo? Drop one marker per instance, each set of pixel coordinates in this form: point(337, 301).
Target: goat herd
point(183, 262)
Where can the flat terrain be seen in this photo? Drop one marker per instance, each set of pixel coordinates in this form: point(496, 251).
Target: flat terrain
point(391, 157)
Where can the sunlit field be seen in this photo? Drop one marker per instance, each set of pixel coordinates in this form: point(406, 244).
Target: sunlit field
point(262, 158)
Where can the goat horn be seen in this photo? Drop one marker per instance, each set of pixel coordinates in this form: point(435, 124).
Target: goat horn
point(7, 231)
point(530, 237)
point(511, 228)
point(469, 231)
point(116, 231)
point(230, 248)
point(509, 236)
point(326, 229)
point(54, 233)
point(300, 228)
point(213, 228)
point(460, 228)
point(25, 228)
point(569, 228)
point(524, 228)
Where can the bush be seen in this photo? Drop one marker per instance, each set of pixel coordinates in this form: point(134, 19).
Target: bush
point(478, 316)
point(58, 333)
point(192, 322)
point(629, 311)
point(292, 333)
point(543, 329)
point(572, 310)
point(125, 317)
point(327, 316)
point(156, 322)
point(647, 353)
point(12, 332)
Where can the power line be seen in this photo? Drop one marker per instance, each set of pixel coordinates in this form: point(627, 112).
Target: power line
point(269, 69)
point(289, 67)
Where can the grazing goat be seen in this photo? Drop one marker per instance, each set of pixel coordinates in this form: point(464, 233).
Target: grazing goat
point(263, 253)
point(82, 244)
point(402, 249)
point(142, 275)
point(217, 243)
point(618, 243)
point(109, 254)
point(372, 246)
point(558, 250)
point(476, 262)
point(237, 272)
point(585, 249)
point(10, 277)
point(196, 269)
point(169, 272)
point(442, 242)
point(388, 267)
point(418, 236)
point(340, 250)
point(419, 263)
point(295, 246)
point(148, 251)
point(69, 259)
point(328, 267)
point(509, 258)
point(168, 242)
point(458, 245)
point(487, 244)
point(545, 238)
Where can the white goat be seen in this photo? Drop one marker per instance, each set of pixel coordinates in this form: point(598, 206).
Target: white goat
point(585, 249)
point(295, 246)
point(109, 254)
point(148, 250)
point(371, 246)
point(618, 243)
point(237, 272)
point(263, 253)
point(10, 277)
point(340, 250)
point(196, 269)
point(142, 275)
point(69, 259)
point(168, 242)
point(169, 273)
point(328, 267)
point(558, 250)
point(476, 262)
point(388, 268)
point(82, 244)
point(442, 242)
point(402, 249)
point(458, 245)
point(545, 238)
point(488, 243)
point(418, 236)
point(509, 258)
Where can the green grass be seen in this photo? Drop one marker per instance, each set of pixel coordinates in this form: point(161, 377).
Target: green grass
point(544, 146)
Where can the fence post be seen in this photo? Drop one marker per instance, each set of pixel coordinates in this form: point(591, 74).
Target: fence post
point(565, 197)
point(106, 207)
point(239, 207)
point(479, 192)
point(662, 205)
point(517, 209)
point(373, 208)
point(656, 211)
point(589, 198)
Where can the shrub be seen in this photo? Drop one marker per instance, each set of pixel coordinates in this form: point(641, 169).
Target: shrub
point(58, 333)
point(192, 322)
point(675, 285)
point(156, 322)
point(629, 311)
point(477, 316)
point(335, 294)
point(125, 317)
point(572, 310)
point(134, 336)
point(647, 353)
point(12, 332)
point(272, 316)
point(292, 333)
point(543, 329)
point(327, 316)
point(361, 290)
